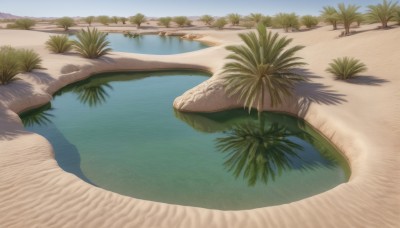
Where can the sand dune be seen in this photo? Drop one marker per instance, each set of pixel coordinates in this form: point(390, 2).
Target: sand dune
point(360, 117)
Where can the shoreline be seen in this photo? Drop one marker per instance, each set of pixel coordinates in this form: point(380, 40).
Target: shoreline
point(354, 145)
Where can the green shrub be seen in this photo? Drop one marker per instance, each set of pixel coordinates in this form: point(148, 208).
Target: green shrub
point(138, 19)
point(346, 67)
point(91, 43)
point(9, 64)
point(65, 22)
point(29, 60)
point(115, 19)
point(58, 44)
point(89, 20)
point(123, 20)
point(207, 19)
point(309, 21)
point(103, 19)
point(24, 23)
point(180, 20)
point(248, 24)
point(219, 23)
point(165, 21)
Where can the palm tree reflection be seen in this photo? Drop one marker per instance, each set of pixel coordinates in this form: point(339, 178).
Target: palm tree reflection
point(258, 153)
point(92, 94)
point(39, 116)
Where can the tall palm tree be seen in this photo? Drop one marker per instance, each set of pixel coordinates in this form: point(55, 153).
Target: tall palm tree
point(347, 15)
point(382, 13)
point(330, 15)
point(263, 64)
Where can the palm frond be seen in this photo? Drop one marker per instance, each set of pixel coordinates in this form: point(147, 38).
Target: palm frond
point(263, 64)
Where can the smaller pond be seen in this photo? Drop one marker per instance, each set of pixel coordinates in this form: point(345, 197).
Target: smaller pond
point(152, 44)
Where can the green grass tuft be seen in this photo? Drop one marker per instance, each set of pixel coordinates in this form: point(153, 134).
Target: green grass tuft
point(29, 60)
point(59, 44)
point(91, 43)
point(9, 64)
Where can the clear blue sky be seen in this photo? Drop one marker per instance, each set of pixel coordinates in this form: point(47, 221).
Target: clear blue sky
point(58, 8)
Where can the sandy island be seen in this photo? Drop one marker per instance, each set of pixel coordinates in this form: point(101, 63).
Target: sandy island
point(360, 117)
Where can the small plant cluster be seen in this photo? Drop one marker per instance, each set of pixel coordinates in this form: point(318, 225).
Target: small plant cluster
point(346, 67)
point(23, 23)
point(14, 61)
point(90, 43)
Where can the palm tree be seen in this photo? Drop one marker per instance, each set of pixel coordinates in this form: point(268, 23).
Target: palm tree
point(264, 64)
point(382, 13)
point(207, 19)
point(347, 15)
point(330, 15)
point(287, 21)
point(138, 19)
point(234, 18)
point(256, 17)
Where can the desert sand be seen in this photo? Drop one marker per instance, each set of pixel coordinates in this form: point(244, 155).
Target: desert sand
point(361, 117)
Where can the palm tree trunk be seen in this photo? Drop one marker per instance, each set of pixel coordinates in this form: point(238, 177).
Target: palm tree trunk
point(347, 29)
point(384, 24)
point(334, 25)
point(260, 107)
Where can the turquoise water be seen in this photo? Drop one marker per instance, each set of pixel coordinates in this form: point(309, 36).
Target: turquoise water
point(152, 44)
point(118, 131)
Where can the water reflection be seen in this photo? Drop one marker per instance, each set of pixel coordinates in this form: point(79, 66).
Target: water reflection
point(39, 116)
point(261, 150)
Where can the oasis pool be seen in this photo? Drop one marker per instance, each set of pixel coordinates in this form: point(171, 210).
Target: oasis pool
point(152, 44)
point(118, 131)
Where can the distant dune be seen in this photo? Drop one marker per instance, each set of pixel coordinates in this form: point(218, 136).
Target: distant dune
point(8, 16)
